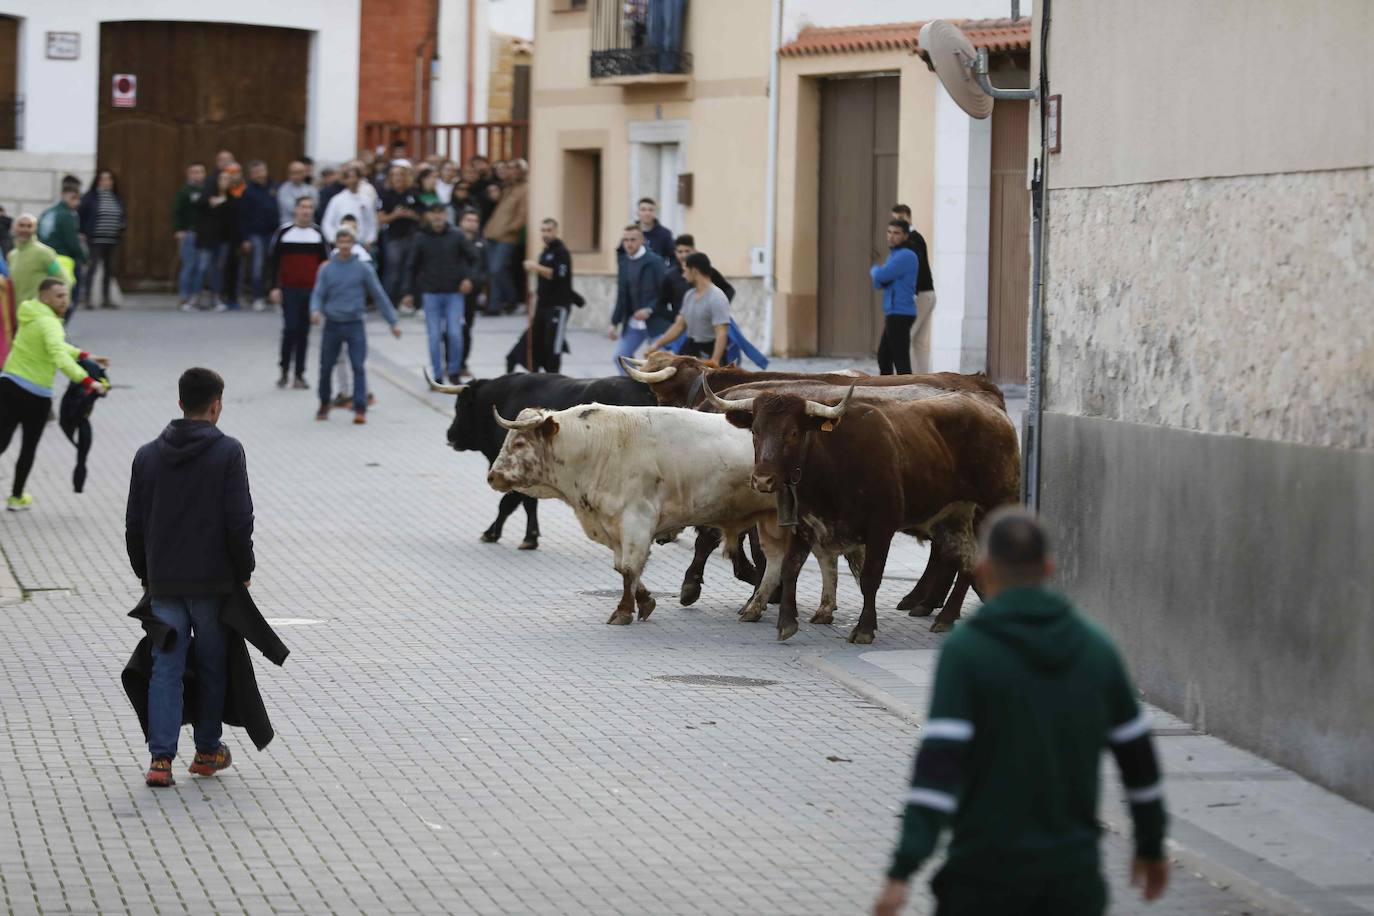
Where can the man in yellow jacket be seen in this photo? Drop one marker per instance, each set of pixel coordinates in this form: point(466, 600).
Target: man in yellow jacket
point(40, 349)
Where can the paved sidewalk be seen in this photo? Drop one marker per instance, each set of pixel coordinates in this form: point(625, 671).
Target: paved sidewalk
point(457, 731)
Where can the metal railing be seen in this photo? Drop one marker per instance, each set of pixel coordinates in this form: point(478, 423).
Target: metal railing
point(460, 142)
point(638, 37)
point(11, 111)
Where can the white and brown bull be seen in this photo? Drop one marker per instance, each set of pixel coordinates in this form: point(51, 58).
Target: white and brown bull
point(633, 473)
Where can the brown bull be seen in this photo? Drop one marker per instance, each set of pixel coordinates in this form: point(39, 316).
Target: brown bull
point(680, 381)
point(862, 470)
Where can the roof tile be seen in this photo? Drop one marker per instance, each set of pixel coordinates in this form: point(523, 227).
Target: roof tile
point(993, 34)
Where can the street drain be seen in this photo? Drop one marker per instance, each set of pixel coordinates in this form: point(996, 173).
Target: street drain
point(715, 680)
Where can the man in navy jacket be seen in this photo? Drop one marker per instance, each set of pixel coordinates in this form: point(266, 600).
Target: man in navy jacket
point(258, 219)
point(189, 533)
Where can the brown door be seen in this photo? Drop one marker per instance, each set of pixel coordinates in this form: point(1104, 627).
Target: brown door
point(858, 189)
point(1008, 245)
point(9, 77)
point(202, 87)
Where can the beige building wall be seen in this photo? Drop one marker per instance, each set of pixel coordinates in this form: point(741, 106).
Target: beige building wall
point(718, 116)
point(799, 141)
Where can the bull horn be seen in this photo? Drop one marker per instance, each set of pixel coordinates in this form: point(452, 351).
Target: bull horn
point(824, 412)
point(631, 361)
point(445, 389)
point(722, 403)
point(516, 424)
point(648, 378)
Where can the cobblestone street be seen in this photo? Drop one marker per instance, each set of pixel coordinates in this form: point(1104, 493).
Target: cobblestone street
point(457, 731)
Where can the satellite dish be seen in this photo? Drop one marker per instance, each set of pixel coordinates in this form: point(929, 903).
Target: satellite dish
point(954, 59)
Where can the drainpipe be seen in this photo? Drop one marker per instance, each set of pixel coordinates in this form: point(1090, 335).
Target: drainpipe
point(770, 215)
point(472, 64)
point(1035, 371)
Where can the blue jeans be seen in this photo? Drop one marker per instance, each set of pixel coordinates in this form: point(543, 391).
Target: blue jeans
point(198, 616)
point(665, 34)
point(191, 277)
point(336, 335)
point(444, 313)
point(630, 339)
point(257, 265)
point(211, 262)
point(503, 294)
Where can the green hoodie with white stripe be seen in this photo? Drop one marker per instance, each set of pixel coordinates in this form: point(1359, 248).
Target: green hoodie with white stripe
point(1028, 694)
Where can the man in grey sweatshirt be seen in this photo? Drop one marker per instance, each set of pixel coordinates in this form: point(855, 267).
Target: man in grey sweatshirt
point(340, 300)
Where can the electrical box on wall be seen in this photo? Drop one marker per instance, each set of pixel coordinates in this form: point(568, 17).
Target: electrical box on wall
point(684, 189)
point(758, 261)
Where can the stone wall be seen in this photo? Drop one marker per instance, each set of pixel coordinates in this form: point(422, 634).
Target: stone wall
point(1226, 305)
point(30, 182)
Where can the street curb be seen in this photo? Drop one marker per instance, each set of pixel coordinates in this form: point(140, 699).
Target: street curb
point(1271, 902)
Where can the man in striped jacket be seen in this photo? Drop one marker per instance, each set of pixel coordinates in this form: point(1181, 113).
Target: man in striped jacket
point(297, 249)
point(1027, 695)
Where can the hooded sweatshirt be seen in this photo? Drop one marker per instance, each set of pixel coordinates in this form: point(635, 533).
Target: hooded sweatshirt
point(1027, 695)
point(40, 349)
point(189, 522)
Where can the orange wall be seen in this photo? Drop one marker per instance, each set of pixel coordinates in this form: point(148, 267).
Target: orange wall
point(391, 31)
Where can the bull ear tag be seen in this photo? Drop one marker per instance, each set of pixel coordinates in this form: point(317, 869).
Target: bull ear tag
point(829, 425)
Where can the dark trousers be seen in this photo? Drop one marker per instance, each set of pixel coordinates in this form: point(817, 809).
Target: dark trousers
point(295, 328)
point(102, 255)
point(1083, 894)
point(28, 412)
point(337, 335)
point(701, 349)
point(894, 350)
point(469, 316)
point(549, 328)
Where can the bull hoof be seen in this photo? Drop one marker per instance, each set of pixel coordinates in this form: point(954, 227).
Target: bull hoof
point(620, 619)
point(646, 607)
point(942, 626)
point(691, 591)
point(490, 537)
point(529, 544)
point(823, 617)
point(907, 604)
point(787, 631)
point(860, 638)
point(919, 610)
point(751, 614)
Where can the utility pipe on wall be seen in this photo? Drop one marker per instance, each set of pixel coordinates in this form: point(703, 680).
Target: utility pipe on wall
point(1035, 370)
point(770, 215)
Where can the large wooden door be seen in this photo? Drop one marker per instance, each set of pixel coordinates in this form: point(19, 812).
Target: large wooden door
point(858, 188)
point(9, 83)
point(202, 87)
point(1009, 245)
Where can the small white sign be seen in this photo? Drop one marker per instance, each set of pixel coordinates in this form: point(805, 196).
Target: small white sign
point(124, 91)
point(64, 45)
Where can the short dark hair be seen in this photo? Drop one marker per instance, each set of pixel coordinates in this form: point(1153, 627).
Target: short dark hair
point(49, 282)
point(684, 239)
point(196, 163)
point(635, 226)
point(306, 160)
point(1015, 544)
point(647, 200)
point(469, 211)
point(199, 388)
point(549, 221)
point(698, 261)
point(437, 207)
point(304, 199)
point(901, 224)
point(903, 210)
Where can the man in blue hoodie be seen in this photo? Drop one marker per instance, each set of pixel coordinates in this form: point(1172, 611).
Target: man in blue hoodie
point(897, 279)
point(258, 220)
point(339, 300)
point(189, 532)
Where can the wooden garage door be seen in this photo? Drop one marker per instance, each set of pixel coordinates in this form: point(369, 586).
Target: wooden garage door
point(1008, 245)
point(202, 87)
point(858, 189)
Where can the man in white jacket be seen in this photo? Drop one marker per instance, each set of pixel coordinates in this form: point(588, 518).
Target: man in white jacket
point(352, 201)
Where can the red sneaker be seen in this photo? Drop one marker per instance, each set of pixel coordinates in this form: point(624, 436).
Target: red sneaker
point(211, 763)
point(160, 773)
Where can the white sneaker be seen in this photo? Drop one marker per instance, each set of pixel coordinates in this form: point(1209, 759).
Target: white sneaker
point(259, 305)
point(186, 306)
point(221, 306)
point(407, 311)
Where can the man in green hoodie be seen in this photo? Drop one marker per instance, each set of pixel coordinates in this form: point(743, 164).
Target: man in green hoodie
point(30, 260)
point(1027, 695)
point(40, 349)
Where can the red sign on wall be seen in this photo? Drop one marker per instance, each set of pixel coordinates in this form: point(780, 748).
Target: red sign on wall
point(124, 91)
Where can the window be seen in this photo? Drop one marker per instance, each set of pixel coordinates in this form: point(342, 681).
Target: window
point(582, 199)
point(569, 6)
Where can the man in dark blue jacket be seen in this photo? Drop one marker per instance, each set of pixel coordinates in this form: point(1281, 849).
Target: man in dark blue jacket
point(189, 533)
point(637, 288)
point(258, 220)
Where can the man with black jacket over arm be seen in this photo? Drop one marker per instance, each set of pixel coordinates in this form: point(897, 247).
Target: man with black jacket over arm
point(925, 293)
point(553, 298)
point(189, 533)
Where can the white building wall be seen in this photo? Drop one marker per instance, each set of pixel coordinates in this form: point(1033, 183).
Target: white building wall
point(451, 76)
point(61, 97)
point(963, 156)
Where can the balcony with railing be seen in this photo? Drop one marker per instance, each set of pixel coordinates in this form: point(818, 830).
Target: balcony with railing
point(639, 41)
